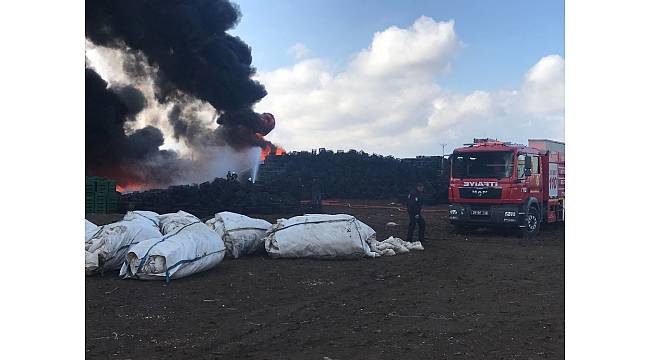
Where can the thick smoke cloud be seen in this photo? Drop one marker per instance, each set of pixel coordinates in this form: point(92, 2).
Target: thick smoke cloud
point(182, 48)
point(193, 131)
point(110, 151)
point(187, 41)
point(132, 98)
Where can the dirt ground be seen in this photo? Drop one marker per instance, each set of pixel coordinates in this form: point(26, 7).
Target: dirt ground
point(486, 295)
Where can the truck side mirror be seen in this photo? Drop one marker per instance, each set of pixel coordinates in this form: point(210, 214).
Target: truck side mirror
point(528, 172)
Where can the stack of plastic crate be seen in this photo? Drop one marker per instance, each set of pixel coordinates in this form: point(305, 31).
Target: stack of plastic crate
point(90, 194)
point(101, 196)
point(112, 198)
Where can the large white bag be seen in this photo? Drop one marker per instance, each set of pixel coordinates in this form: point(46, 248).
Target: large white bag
point(241, 234)
point(143, 215)
point(173, 221)
point(188, 250)
point(319, 236)
point(92, 261)
point(91, 229)
point(107, 247)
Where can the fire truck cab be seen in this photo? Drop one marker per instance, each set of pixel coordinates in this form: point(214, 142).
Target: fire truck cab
point(494, 183)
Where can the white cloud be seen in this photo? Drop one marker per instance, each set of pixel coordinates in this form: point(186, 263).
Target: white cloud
point(386, 101)
point(299, 51)
point(543, 88)
point(425, 47)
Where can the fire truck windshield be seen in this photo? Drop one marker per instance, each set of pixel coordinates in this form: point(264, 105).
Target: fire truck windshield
point(492, 164)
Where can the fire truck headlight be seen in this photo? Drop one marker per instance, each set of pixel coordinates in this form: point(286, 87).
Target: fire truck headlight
point(510, 213)
point(453, 212)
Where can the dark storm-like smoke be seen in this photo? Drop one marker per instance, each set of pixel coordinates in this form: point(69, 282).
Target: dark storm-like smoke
point(187, 40)
point(109, 150)
point(195, 60)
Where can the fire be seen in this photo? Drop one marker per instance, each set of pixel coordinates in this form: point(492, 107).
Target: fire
point(272, 149)
point(129, 187)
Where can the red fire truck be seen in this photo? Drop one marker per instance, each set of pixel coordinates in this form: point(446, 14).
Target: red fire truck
point(498, 183)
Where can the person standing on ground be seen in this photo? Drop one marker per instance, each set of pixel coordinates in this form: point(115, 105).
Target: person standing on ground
point(316, 194)
point(414, 204)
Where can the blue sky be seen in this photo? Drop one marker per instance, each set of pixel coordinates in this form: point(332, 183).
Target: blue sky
point(502, 39)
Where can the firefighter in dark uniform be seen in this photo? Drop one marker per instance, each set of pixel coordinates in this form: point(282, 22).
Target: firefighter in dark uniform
point(414, 204)
point(316, 195)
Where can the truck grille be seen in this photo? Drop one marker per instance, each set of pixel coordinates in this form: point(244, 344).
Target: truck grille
point(480, 193)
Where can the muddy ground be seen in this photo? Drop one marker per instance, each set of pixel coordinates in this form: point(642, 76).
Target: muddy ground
point(486, 295)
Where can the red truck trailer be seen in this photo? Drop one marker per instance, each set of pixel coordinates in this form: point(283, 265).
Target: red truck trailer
point(495, 183)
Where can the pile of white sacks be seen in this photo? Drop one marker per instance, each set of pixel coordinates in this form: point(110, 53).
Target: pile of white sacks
point(148, 246)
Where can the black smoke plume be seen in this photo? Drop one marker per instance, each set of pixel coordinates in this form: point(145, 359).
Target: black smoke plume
point(187, 41)
point(195, 60)
point(132, 158)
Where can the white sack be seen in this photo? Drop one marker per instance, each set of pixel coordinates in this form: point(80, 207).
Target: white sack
point(91, 229)
point(170, 222)
point(110, 243)
point(92, 263)
point(143, 215)
point(319, 236)
point(392, 246)
point(188, 250)
point(241, 234)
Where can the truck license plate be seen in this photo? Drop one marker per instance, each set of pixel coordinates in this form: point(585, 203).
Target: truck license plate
point(480, 212)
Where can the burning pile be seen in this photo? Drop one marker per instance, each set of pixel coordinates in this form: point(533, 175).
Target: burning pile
point(271, 149)
point(163, 71)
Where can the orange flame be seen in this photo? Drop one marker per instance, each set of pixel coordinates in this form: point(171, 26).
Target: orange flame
point(129, 187)
point(268, 150)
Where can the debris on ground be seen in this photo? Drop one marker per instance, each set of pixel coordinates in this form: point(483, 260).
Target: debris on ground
point(393, 246)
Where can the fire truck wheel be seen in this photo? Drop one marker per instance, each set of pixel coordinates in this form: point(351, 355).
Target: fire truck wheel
point(531, 223)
